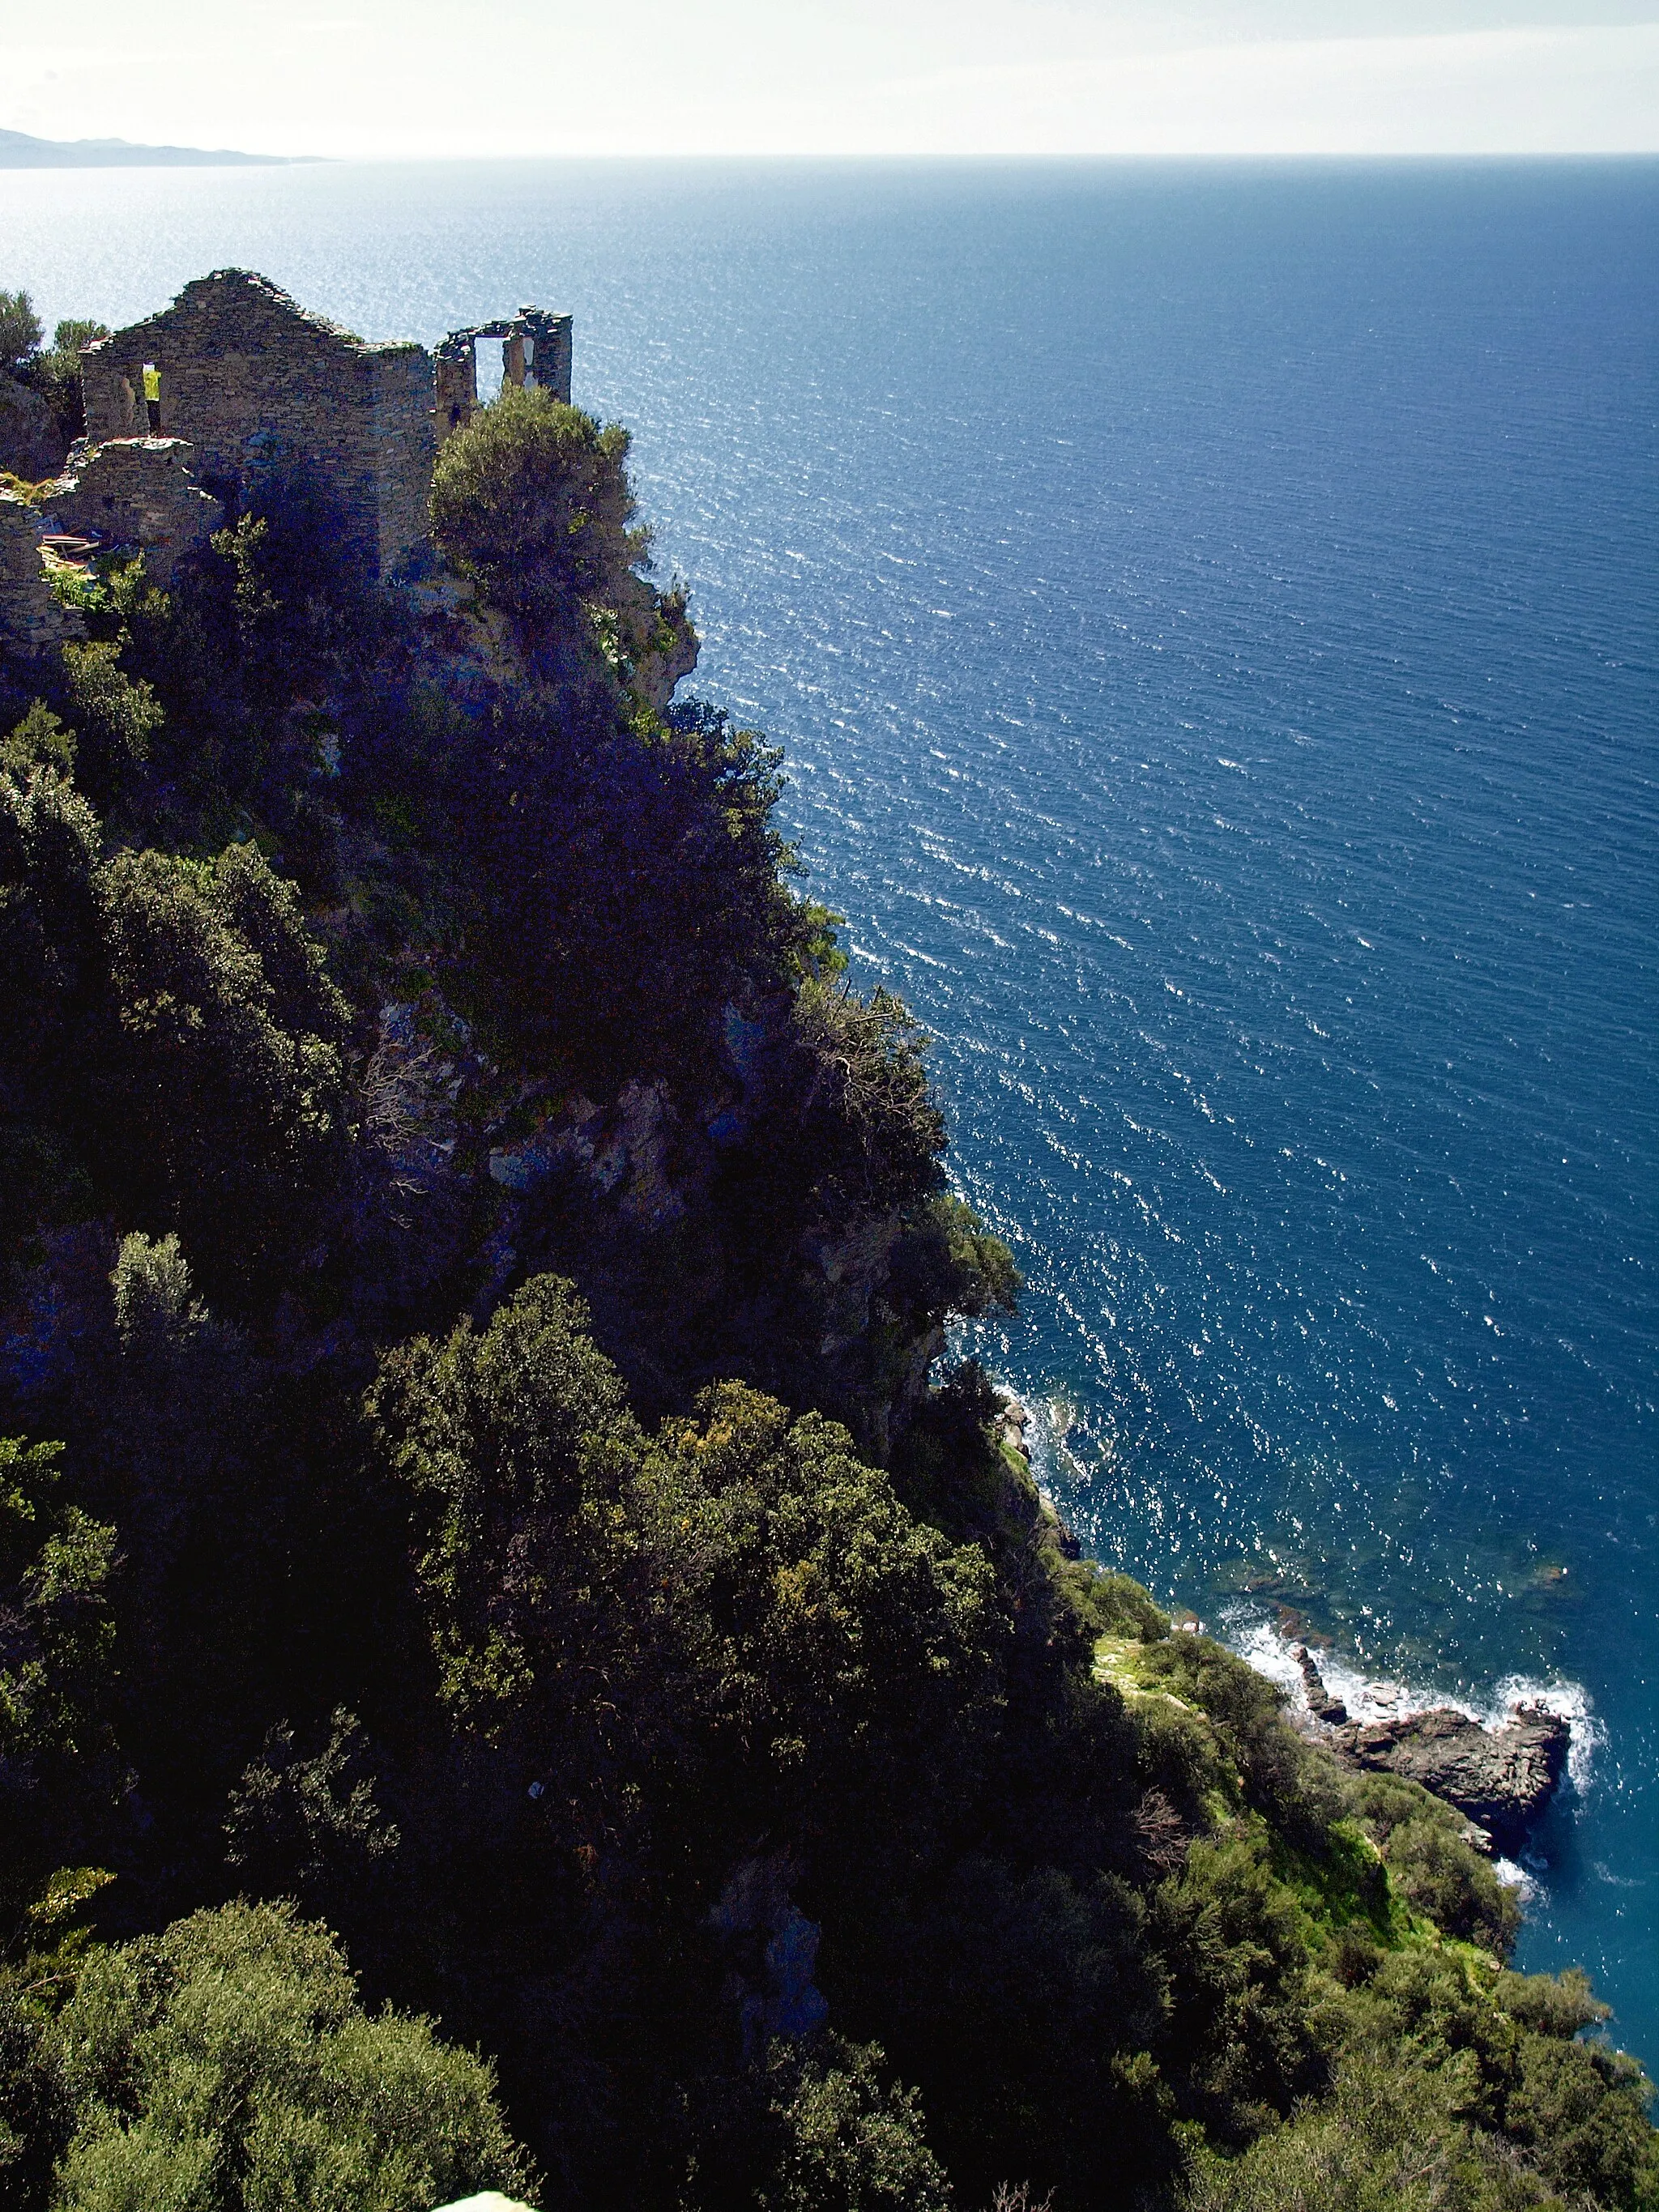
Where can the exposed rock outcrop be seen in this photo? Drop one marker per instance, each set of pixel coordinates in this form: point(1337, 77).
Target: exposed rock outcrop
point(1501, 1778)
point(772, 1949)
point(672, 656)
point(1321, 1704)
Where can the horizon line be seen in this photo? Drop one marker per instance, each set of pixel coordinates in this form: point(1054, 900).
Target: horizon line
point(1142, 158)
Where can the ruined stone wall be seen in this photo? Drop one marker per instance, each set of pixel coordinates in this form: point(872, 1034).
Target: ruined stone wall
point(254, 382)
point(406, 450)
point(139, 491)
point(536, 349)
point(552, 351)
point(31, 620)
point(456, 385)
point(29, 444)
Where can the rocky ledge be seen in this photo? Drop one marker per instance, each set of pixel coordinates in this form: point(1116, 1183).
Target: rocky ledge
point(1500, 1779)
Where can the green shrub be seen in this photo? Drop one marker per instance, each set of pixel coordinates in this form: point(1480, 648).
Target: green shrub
point(1382, 2142)
point(39, 740)
point(1438, 1874)
point(1242, 2044)
point(173, 1022)
point(845, 1658)
point(1422, 1841)
point(1297, 1788)
point(867, 1094)
point(57, 1650)
point(848, 2142)
point(1552, 2004)
point(947, 1261)
point(1116, 1604)
point(115, 714)
point(1580, 2110)
point(516, 1443)
point(226, 2066)
point(609, 894)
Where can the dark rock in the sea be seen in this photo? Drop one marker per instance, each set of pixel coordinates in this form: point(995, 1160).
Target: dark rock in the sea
point(1501, 1779)
point(1321, 1704)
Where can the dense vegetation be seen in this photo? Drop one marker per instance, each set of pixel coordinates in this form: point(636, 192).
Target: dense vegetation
point(40, 408)
point(479, 1502)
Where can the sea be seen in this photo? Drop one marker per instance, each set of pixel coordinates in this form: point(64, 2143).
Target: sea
point(1211, 611)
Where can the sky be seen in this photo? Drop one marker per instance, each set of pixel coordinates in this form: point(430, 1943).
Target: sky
point(426, 79)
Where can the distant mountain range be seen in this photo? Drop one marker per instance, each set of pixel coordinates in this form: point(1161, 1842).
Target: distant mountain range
point(19, 151)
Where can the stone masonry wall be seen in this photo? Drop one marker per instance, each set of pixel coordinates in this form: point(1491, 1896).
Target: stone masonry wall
point(254, 381)
point(536, 349)
point(31, 620)
point(139, 491)
point(405, 448)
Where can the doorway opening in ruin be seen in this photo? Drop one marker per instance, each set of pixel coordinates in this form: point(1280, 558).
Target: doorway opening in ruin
point(153, 397)
point(490, 356)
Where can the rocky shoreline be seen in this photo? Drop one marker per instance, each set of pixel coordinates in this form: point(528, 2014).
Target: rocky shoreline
point(1500, 1779)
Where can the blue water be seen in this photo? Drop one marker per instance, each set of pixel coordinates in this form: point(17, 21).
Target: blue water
point(1212, 613)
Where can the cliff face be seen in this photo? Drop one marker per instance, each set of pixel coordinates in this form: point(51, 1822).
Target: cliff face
point(474, 1476)
point(589, 1027)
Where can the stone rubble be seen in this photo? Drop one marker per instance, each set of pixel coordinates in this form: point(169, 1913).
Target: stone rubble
point(138, 493)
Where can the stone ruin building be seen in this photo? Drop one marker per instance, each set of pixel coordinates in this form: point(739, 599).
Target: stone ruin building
point(187, 408)
point(535, 350)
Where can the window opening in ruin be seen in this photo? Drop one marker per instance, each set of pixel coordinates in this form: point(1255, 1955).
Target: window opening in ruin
point(153, 396)
point(492, 367)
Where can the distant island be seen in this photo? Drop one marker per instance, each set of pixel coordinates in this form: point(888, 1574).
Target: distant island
point(18, 150)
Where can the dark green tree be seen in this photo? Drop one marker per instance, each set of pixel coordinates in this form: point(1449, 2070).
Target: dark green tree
point(57, 1652)
point(20, 330)
point(532, 501)
point(847, 2142)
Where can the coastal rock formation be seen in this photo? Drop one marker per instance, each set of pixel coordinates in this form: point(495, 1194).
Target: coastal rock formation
point(1501, 1778)
point(1321, 1704)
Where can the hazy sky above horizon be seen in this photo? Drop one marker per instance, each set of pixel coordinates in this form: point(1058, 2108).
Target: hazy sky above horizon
point(424, 78)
